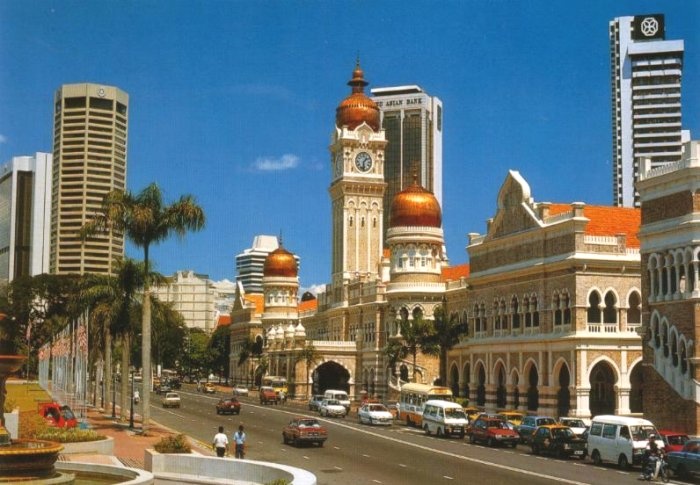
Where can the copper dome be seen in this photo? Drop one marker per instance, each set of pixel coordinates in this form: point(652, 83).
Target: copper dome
point(357, 108)
point(280, 262)
point(415, 207)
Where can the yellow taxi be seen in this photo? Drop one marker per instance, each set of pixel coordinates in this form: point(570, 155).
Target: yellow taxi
point(514, 417)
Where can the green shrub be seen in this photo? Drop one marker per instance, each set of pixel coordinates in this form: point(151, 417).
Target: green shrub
point(173, 444)
point(10, 405)
point(68, 435)
point(31, 424)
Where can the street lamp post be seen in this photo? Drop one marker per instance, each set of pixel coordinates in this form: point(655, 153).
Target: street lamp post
point(131, 417)
point(114, 394)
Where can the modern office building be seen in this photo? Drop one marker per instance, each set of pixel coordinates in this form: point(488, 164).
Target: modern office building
point(90, 155)
point(25, 211)
point(646, 100)
point(249, 263)
point(192, 295)
point(412, 120)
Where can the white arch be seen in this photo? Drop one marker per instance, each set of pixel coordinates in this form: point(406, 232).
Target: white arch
point(556, 369)
point(494, 374)
point(608, 360)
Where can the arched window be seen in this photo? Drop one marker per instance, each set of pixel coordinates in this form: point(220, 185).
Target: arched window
point(684, 359)
point(594, 307)
point(482, 317)
point(477, 320)
point(535, 312)
point(565, 304)
point(634, 310)
point(664, 339)
point(557, 309)
point(610, 312)
point(526, 310)
point(674, 351)
point(514, 313)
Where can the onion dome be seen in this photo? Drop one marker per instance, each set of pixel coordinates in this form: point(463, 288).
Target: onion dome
point(300, 331)
point(357, 108)
point(289, 331)
point(280, 262)
point(279, 332)
point(271, 334)
point(415, 207)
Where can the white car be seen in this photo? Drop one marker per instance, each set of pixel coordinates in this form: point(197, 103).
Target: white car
point(577, 425)
point(332, 408)
point(171, 400)
point(375, 413)
point(240, 390)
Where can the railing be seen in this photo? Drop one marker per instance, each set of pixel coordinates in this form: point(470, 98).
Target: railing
point(559, 217)
point(601, 240)
point(602, 327)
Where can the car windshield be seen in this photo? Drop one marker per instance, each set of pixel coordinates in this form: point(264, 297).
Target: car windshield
point(333, 402)
point(308, 423)
point(641, 433)
point(497, 424)
point(376, 407)
point(543, 421)
point(67, 412)
point(574, 423)
point(562, 433)
point(677, 439)
point(455, 413)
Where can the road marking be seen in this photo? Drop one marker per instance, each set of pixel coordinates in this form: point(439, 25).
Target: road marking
point(376, 481)
point(366, 456)
point(306, 457)
point(402, 465)
point(336, 448)
point(338, 468)
point(448, 478)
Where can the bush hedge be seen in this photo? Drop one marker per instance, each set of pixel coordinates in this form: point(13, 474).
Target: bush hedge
point(173, 444)
point(69, 435)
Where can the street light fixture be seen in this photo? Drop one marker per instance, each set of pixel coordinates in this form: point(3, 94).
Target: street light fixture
point(131, 417)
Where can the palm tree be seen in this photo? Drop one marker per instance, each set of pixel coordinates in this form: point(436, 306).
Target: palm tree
point(416, 336)
point(146, 220)
point(446, 336)
point(309, 355)
point(111, 299)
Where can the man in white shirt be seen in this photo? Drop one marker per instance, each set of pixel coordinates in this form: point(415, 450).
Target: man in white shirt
point(220, 443)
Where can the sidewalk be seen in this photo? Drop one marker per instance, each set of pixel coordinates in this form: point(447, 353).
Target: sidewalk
point(129, 445)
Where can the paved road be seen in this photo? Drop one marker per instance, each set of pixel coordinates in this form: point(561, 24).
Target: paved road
point(357, 454)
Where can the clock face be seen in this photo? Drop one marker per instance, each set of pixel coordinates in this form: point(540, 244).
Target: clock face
point(363, 161)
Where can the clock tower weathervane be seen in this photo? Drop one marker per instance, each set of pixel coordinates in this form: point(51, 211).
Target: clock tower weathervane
point(357, 185)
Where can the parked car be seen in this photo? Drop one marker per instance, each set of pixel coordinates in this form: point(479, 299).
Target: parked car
point(577, 425)
point(557, 440)
point(58, 416)
point(315, 402)
point(530, 424)
point(673, 440)
point(209, 388)
point(620, 439)
point(513, 417)
point(229, 405)
point(304, 430)
point(374, 413)
point(472, 412)
point(267, 395)
point(171, 400)
point(240, 390)
point(163, 387)
point(493, 432)
point(332, 408)
point(444, 418)
point(686, 462)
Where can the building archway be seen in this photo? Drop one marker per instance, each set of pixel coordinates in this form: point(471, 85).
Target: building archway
point(332, 375)
point(501, 393)
point(481, 386)
point(533, 394)
point(454, 380)
point(603, 397)
point(563, 394)
point(636, 385)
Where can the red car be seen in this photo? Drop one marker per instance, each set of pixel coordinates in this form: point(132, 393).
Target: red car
point(493, 432)
point(230, 405)
point(673, 440)
point(304, 430)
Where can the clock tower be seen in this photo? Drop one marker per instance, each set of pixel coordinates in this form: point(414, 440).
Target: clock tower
point(357, 184)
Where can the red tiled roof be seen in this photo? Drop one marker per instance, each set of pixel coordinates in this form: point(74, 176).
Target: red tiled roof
point(451, 273)
point(305, 306)
point(607, 220)
point(223, 320)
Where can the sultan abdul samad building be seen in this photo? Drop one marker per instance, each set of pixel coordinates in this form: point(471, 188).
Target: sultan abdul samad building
point(550, 302)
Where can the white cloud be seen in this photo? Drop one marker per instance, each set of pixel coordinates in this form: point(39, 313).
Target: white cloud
point(268, 164)
point(3, 139)
point(314, 289)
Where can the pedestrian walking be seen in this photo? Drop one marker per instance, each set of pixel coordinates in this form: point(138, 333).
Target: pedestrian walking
point(239, 438)
point(220, 443)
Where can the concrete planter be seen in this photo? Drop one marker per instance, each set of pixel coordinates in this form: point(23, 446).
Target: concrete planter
point(12, 423)
point(100, 447)
point(178, 468)
point(117, 474)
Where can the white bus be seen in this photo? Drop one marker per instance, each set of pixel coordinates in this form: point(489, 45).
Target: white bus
point(414, 396)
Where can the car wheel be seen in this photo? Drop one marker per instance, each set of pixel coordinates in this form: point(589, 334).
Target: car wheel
point(535, 449)
point(440, 433)
point(680, 471)
point(426, 429)
point(284, 438)
point(320, 444)
point(561, 454)
point(472, 438)
point(513, 445)
point(490, 442)
point(218, 412)
point(595, 456)
point(622, 462)
point(461, 434)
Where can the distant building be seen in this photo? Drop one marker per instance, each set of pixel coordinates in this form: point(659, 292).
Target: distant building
point(89, 153)
point(671, 288)
point(249, 263)
point(193, 296)
point(646, 100)
point(25, 216)
point(412, 121)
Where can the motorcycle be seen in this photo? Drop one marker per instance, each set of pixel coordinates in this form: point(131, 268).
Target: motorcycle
point(650, 467)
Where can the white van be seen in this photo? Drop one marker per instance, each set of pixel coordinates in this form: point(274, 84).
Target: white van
point(620, 439)
point(444, 418)
point(341, 396)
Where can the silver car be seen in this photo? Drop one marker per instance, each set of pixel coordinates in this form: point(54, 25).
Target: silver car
point(332, 408)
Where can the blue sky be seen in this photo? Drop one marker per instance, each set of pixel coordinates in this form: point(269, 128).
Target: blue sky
point(234, 102)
